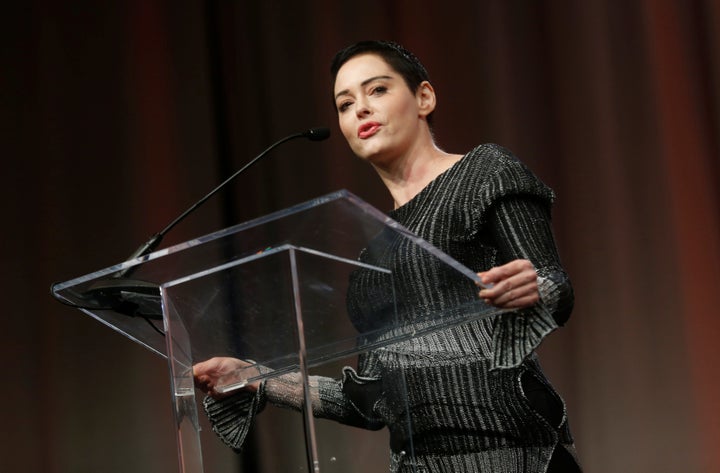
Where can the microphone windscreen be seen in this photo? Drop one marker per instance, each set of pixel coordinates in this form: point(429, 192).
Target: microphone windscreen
point(317, 134)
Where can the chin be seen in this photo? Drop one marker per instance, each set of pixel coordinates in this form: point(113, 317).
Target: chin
point(369, 151)
point(370, 157)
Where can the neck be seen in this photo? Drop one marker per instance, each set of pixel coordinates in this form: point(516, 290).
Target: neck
point(409, 174)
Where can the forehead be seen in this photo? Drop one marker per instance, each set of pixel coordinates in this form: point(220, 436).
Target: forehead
point(360, 68)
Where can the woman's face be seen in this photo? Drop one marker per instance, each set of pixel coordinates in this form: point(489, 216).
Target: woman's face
point(378, 114)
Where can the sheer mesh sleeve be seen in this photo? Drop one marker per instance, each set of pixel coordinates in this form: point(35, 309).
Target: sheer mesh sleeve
point(350, 400)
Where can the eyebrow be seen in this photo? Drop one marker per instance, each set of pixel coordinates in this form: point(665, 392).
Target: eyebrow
point(362, 84)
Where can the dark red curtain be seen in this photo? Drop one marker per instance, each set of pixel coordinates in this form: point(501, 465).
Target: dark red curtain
point(117, 116)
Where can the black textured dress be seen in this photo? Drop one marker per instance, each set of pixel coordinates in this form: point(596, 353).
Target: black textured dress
point(477, 399)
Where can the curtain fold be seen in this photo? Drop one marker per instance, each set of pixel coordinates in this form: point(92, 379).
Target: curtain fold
point(117, 117)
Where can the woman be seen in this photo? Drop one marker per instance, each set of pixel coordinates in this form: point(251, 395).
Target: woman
point(490, 407)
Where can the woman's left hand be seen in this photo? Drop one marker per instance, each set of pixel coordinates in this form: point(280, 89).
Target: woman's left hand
point(514, 285)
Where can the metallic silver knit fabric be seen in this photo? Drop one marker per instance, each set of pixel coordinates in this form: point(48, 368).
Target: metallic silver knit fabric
point(453, 400)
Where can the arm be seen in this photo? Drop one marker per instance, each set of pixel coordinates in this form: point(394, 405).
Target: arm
point(231, 415)
point(529, 280)
point(530, 271)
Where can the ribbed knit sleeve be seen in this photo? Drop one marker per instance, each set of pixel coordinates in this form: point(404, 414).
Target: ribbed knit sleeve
point(519, 223)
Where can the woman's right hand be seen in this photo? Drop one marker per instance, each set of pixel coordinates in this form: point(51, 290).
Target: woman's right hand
point(210, 373)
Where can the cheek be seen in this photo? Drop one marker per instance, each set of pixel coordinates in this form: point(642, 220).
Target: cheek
point(346, 128)
point(407, 110)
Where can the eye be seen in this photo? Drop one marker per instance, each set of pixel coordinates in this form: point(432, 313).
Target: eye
point(379, 90)
point(343, 106)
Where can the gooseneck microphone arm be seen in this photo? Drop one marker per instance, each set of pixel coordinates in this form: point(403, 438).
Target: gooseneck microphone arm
point(141, 298)
point(313, 134)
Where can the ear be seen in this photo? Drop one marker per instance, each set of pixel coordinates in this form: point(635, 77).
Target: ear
point(426, 100)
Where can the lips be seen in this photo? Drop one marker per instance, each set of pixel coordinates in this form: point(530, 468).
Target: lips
point(368, 129)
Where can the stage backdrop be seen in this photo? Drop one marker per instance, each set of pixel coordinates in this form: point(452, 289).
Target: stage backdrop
point(116, 116)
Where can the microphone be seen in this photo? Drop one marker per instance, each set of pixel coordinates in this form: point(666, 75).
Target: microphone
point(134, 297)
point(313, 134)
point(317, 134)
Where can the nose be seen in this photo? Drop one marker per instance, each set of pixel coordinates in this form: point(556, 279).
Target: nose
point(362, 107)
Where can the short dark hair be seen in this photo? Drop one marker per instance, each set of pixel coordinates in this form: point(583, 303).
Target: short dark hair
point(400, 59)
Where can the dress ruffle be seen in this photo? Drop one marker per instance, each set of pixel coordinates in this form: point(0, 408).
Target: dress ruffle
point(517, 334)
point(233, 417)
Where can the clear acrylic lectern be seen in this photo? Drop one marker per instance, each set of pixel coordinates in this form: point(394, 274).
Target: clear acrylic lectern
point(272, 290)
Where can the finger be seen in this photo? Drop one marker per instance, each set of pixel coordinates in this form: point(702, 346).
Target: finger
point(523, 296)
point(520, 303)
point(505, 271)
point(506, 295)
point(526, 280)
point(204, 367)
point(206, 387)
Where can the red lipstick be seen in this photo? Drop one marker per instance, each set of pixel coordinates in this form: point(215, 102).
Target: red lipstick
point(367, 129)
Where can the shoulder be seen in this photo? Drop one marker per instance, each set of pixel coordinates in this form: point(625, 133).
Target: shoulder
point(492, 157)
point(497, 172)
